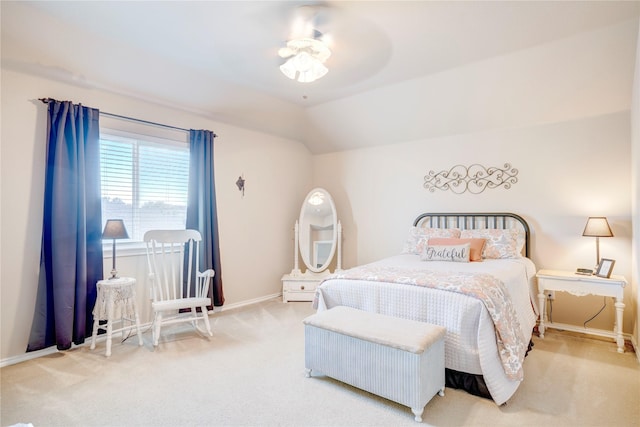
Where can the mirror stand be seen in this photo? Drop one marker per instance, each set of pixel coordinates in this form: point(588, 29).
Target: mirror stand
point(318, 241)
point(296, 268)
point(339, 256)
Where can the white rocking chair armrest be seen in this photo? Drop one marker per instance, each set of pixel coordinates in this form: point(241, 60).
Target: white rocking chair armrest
point(203, 281)
point(208, 272)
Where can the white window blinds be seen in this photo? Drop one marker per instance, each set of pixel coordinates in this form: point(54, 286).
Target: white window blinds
point(144, 181)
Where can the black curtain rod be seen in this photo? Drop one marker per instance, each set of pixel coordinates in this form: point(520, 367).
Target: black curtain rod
point(117, 116)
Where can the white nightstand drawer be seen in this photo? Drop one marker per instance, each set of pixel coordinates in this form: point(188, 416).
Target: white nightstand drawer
point(297, 296)
point(300, 285)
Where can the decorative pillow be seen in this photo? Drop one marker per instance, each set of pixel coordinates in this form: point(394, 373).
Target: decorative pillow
point(455, 253)
point(521, 239)
point(501, 243)
point(476, 245)
point(418, 237)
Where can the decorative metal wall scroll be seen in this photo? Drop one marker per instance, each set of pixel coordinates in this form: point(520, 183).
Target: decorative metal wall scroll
point(474, 179)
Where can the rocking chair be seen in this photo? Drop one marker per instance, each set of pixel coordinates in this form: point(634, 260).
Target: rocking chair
point(178, 288)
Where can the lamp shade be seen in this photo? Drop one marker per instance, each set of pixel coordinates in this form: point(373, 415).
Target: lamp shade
point(597, 226)
point(115, 229)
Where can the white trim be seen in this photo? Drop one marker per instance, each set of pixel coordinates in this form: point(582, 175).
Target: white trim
point(123, 249)
point(245, 303)
point(132, 129)
point(27, 356)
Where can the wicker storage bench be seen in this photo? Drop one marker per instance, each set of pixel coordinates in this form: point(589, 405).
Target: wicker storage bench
point(398, 359)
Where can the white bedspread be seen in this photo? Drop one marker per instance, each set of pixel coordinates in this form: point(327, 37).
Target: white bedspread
point(470, 342)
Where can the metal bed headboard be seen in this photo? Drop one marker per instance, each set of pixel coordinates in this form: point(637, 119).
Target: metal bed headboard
point(468, 221)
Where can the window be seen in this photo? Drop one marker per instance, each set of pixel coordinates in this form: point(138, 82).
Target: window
point(144, 181)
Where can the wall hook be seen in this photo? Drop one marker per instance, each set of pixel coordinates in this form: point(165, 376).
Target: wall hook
point(240, 184)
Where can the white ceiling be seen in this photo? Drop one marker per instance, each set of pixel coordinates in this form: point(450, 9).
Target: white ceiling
point(219, 58)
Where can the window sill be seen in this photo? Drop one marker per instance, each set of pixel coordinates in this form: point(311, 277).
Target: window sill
point(129, 249)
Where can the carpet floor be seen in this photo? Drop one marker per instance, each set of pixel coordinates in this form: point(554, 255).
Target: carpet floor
point(251, 373)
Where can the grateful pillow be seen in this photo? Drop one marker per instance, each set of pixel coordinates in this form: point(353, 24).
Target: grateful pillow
point(500, 243)
point(418, 237)
point(476, 245)
point(454, 253)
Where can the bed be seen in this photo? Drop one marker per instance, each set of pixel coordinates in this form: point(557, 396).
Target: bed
point(488, 306)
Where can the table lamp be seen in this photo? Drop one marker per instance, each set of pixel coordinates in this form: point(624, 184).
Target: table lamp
point(114, 229)
point(597, 226)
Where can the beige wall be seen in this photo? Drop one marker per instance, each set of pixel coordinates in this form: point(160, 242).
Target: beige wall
point(255, 230)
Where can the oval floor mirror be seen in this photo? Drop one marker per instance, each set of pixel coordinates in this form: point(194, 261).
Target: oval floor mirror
point(318, 236)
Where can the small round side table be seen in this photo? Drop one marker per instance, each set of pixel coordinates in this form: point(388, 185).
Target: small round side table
point(116, 302)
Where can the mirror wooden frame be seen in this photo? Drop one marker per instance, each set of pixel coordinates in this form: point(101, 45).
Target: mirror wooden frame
point(318, 216)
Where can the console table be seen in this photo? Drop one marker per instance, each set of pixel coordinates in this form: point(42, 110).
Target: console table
point(580, 285)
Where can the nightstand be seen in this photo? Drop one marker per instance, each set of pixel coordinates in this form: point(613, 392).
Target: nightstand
point(580, 285)
point(299, 287)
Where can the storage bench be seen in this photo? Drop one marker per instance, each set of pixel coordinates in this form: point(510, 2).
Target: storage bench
point(398, 359)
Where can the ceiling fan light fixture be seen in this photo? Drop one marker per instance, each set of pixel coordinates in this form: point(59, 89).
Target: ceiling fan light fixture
point(306, 62)
point(316, 71)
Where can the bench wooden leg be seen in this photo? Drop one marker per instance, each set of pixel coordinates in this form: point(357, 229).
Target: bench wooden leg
point(418, 413)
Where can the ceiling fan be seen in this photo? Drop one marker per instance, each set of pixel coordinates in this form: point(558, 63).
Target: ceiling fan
point(307, 48)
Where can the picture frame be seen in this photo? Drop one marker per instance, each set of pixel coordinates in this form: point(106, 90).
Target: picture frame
point(605, 267)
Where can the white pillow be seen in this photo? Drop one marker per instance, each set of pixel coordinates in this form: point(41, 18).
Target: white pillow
point(501, 243)
point(521, 240)
point(418, 237)
point(454, 253)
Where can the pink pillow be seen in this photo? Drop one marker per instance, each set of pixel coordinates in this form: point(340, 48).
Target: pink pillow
point(477, 245)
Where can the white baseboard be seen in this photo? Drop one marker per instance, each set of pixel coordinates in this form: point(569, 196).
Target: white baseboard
point(51, 350)
point(244, 303)
point(27, 356)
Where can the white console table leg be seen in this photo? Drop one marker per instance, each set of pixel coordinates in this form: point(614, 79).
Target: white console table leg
point(618, 331)
point(542, 307)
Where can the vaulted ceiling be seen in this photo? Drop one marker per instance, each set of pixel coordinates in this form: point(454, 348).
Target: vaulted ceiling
point(399, 70)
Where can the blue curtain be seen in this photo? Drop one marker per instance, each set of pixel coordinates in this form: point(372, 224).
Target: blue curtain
point(201, 207)
point(71, 254)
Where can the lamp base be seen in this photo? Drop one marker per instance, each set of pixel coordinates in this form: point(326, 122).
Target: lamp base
point(114, 274)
